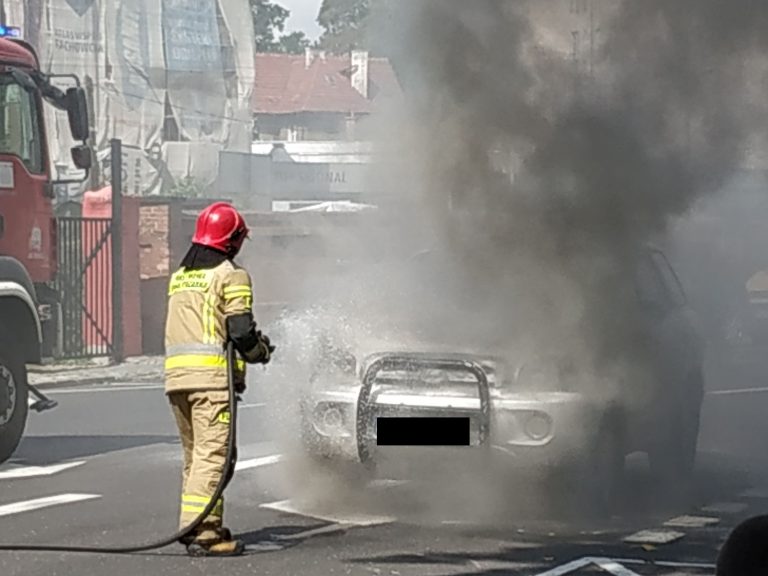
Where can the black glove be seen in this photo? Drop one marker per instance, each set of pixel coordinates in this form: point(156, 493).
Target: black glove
point(265, 340)
point(262, 352)
point(266, 348)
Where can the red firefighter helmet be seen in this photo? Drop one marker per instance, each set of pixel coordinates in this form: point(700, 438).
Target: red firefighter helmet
point(222, 227)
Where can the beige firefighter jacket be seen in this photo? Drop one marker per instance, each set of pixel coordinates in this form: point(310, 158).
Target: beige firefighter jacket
point(199, 301)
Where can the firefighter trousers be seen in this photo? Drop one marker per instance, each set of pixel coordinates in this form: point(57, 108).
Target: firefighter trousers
point(203, 422)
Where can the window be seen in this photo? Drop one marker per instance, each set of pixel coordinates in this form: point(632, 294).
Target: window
point(671, 282)
point(650, 289)
point(657, 283)
point(20, 127)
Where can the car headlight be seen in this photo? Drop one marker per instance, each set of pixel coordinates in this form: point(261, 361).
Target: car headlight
point(334, 364)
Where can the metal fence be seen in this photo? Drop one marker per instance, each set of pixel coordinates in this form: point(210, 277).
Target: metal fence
point(84, 284)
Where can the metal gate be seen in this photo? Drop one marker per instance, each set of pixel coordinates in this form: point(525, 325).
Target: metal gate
point(84, 285)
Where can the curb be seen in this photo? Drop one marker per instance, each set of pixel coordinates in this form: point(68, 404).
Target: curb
point(95, 381)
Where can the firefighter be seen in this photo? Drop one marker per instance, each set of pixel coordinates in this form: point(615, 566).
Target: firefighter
point(209, 301)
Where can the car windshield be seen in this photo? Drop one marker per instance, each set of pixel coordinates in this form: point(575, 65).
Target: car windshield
point(20, 126)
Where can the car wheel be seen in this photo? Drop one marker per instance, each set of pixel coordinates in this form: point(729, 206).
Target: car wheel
point(603, 476)
point(673, 456)
point(13, 401)
point(591, 487)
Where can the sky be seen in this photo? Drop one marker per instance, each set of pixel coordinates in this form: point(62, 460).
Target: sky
point(303, 16)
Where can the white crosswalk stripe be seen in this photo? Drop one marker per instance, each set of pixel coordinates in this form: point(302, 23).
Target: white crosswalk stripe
point(33, 471)
point(47, 502)
point(18, 472)
point(338, 517)
point(258, 462)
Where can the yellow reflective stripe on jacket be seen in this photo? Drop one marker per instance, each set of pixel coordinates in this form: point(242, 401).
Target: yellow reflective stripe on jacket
point(224, 418)
point(200, 361)
point(238, 294)
point(209, 320)
point(239, 291)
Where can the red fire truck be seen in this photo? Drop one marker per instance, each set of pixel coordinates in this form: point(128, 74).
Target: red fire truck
point(27, 226)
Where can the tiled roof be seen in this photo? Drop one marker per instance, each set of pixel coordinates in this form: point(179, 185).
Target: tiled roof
point(285, 85)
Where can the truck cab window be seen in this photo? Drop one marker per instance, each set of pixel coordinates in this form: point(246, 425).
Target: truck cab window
point(20, 125)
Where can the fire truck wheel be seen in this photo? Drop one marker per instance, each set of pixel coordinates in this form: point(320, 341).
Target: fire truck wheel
point(13, 400)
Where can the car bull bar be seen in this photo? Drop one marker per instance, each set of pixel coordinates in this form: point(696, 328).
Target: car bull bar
point(366, 442)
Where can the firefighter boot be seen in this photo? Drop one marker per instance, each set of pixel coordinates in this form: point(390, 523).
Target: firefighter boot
point(222, 545)
point(224, 534)
point(219, 548)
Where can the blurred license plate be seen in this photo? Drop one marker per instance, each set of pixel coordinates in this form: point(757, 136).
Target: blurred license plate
point(423, 431)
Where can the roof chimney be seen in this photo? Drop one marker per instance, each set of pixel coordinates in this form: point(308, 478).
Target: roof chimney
point(310, 55)
point(360, 71)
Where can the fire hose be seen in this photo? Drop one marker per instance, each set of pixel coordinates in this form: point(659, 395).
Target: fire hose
point(162, 543)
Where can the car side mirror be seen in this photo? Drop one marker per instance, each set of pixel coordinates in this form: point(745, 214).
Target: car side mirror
point(81, 156)
point(23, 79)
point(77, 113)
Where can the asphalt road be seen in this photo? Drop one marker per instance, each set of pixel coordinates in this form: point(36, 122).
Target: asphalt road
point(103, 469)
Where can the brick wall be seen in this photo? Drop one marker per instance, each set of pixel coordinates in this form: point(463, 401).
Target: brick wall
point(154, 242)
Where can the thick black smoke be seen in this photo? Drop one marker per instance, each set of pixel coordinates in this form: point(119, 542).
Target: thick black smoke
point(550, 178)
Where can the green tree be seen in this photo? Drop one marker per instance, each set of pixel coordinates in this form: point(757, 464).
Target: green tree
point(268, 26)
point(360, 25)
point(345, 24)
point(294, 43)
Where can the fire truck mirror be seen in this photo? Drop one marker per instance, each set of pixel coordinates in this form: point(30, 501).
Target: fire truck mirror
point(77, 111)
point(81, 156)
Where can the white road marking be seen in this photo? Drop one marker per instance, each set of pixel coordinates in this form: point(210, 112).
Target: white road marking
point(665, 563)
point(725, 508)
point(616, 566)
point(654, 537)
point(29, 505)
point(257, 462)
point(321, 531)
point(289, 507)
point(254, 405)
point(567, 568)
point(692, 522)
point(32, 471)
point(685, 565)
point(762, 390)
point(88, 390)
